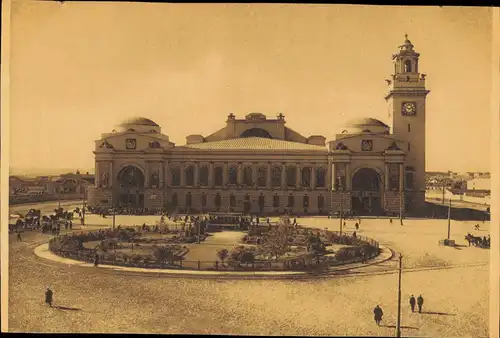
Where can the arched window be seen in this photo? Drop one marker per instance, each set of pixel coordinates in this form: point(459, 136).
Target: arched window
point(262, 176)
point(306, 177)
point(256, 132)
point(174, 199)
point(407, 66)
point(320, 177)
point(247, 176)
point(189, 200)
point(189, 173)
point(291, 201)
point(203, 200)
point(218, 179)
point(175, 173)
point(305, 201)
point(291, 176)
point(217, 200)
point(232, 201)
point(321, 202)
point(276, 176)
point(203, 176)
point(233, 175)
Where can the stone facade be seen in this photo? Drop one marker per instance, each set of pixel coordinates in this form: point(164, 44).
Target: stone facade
point(259, 165)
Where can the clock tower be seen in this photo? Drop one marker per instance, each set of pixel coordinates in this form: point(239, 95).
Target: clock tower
point(406, 100)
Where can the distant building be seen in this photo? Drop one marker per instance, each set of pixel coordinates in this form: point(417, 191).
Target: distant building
point(479, 184)
point(259, 165)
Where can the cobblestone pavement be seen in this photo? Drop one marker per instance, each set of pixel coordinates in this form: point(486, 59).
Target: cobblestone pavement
point(453, 281)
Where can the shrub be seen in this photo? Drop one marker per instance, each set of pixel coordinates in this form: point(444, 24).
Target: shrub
point(222, 254)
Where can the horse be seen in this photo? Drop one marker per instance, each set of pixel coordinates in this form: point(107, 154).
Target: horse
point(473, 239)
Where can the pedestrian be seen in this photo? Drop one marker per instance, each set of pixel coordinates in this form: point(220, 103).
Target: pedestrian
point(96, 260)
point(378, 314)
point(420, 302)
point(356, 226)
point(390, 220)
point(19, 237)
point(48, 297)
point(412, 303)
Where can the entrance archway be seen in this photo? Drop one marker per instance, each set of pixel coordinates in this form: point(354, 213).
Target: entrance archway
point(366, 194)
point(131, 187)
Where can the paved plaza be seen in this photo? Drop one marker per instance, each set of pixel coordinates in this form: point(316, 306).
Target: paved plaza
point(453, 282)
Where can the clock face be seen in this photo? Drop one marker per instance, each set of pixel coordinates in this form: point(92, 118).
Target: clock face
point(409, 108)
point(366, 145)
point(130, 143)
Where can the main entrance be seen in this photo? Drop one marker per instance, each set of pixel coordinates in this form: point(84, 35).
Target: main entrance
point(366, 195)
point(131, 188)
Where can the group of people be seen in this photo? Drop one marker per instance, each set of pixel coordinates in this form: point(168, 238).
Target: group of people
point(378, 313)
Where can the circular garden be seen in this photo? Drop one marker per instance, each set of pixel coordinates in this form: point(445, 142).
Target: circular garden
point(268, 247)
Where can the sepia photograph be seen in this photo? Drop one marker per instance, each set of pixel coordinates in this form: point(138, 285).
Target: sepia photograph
point(248, 169)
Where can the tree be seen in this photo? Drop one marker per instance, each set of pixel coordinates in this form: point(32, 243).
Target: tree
point(276, 241)
point(222, 254)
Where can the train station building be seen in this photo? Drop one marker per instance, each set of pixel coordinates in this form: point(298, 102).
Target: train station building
point(257, 164)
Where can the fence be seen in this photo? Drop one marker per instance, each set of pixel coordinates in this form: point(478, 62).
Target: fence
point(292, 264)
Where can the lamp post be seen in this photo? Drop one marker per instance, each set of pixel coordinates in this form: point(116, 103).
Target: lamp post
point(449, 219)
point(113, 208)
point(398, 323)
point(341, 189)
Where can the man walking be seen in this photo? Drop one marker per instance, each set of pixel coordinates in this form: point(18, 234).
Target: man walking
point(378, 314)
point(420, 302)
point(19, 237)
point(48, 297)
point(96, 260)
point(412, 303)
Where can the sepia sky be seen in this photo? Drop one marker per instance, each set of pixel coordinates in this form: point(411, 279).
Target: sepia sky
point(78, 69)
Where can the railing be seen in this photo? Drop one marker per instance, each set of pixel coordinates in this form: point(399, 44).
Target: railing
point(292, 264)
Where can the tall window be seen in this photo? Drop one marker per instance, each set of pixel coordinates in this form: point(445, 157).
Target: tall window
point(320, 177)
point(407, 66)
point(217, 200)
point(262, 176)
point(291, 176)
point(305, 201)
point(321, 202)
point(247, 176)
point(174, 199)
point(203, 176)
point(203, 200)
point(175, 173)
point(232, 174)
point(306, 177)
point(218, 180)
point(276, 201)
point(188, 200)
point(276, 176)
point(232, 201)
point(189, 172)
point(291, 201)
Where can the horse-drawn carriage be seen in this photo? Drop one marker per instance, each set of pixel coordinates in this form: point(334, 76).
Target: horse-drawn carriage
point(222, 220)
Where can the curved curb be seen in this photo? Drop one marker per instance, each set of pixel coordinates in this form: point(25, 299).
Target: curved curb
point(41, 251)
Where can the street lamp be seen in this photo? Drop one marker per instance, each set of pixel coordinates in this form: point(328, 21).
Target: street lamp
point(398, 324)
point(341, 189)
point(449, 219)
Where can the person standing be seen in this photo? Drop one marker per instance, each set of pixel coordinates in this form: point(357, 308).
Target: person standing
point(48, 297)
point(420, 302)
point(19, 237)
point(390, 220)
point(378, 314)
point(96, 260)
point(412, 303)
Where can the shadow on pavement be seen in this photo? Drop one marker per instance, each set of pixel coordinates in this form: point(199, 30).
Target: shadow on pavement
point(403, 327)
point(67, 308)
point(437, 313)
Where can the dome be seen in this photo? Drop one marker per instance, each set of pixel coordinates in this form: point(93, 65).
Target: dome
point(366, 122)
point(139, 121)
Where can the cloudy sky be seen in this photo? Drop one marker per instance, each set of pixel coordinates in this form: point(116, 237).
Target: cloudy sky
point(78, 69)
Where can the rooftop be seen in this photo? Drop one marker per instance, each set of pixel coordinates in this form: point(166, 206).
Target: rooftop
point(255, 143)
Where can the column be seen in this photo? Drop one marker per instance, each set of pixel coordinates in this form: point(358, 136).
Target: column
point(330, 175)
point(196, 174)
point(269, 166)
point(298, 176)
point(110, 182)
point(313, 177)
point(161, 174)
point(401, 177)
point(183, 176)
point(225, 175)
point(97, 174)
point(240, 174)
point(348, 181)
point(211, 175)
point(386, 176)
point(166, 172)
point(254, 173)
point(283, 176)
point(146, 178)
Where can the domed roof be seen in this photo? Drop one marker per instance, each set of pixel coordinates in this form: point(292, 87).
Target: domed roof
point(365, 121)
point(139, 121)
